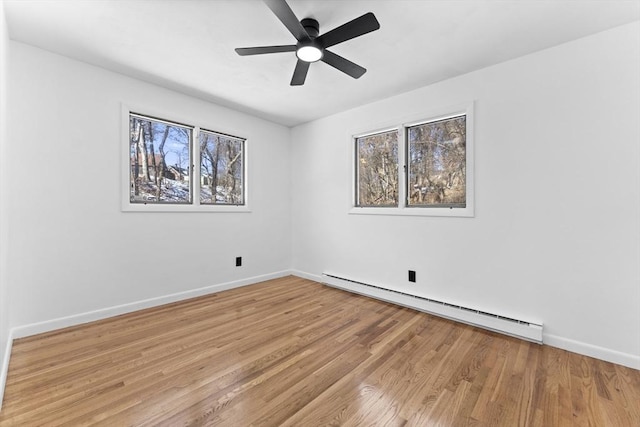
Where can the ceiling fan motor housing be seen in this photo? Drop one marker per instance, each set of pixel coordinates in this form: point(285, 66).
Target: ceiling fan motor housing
point(311, 26)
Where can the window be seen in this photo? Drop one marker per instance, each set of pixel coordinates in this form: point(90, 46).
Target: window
point(221, 169)
point(160, 161)
point(178, 167)
point(421, 167)
point(377, 169)
point(436, 157)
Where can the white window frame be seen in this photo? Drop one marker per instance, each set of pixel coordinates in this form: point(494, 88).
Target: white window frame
point(194, 206)
point(401, 125)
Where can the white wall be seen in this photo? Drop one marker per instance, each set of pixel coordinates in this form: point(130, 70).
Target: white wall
point(72, 249)
point(4, 304)
point(555, 238)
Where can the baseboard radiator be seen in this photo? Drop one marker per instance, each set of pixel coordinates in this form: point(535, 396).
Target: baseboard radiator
point(494, 322)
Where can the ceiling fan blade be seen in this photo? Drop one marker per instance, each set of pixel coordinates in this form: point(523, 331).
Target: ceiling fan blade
point(243, 51)
point(300, 73)
point(352, 29)
point(284, 13)
point(344, 65)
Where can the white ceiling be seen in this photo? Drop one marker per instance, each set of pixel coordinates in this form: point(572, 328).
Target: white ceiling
point(188, 45)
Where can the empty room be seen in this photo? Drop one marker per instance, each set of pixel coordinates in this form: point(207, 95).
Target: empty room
point(308, 213)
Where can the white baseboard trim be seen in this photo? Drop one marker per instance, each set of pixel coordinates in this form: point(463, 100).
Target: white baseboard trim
point(308, 276)
point(5, 366)
point(103, 313)
point(613, 356)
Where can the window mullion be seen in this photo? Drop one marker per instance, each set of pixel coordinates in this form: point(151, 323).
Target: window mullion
point(402, 168)
point(195, 165)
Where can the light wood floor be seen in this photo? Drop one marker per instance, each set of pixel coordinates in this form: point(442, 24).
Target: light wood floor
point(291, 352)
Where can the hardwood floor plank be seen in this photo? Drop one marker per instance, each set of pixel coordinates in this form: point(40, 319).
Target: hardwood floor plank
point(525, 395)
point(348, 395)
point(291, 352)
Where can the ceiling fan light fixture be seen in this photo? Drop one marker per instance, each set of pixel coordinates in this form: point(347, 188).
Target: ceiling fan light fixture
point(309, 53)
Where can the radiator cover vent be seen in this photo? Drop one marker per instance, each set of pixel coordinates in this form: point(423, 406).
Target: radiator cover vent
point(494, 322)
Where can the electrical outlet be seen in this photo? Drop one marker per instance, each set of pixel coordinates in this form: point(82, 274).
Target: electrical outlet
point(412, 276)
point(238, 261)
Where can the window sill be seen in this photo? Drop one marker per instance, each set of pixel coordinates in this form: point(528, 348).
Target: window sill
point(395, 211)
point(141, 207)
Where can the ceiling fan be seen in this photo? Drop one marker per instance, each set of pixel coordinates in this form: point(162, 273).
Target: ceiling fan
point(311, 47)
